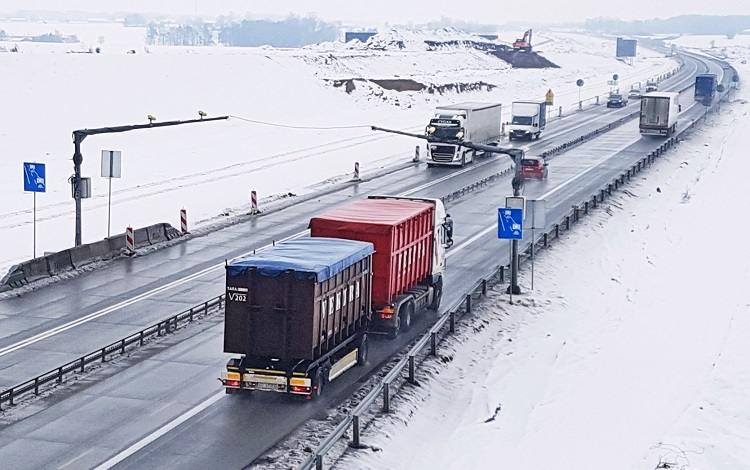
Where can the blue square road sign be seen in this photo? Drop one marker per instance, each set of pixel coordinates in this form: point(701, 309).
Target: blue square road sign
point(509, 223)
point(34, 178)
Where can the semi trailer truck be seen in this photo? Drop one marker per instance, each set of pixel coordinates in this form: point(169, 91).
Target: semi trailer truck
point(479, 123)
point(528, 119)
point(410, 236)
point(297, 314)
point(659, 112)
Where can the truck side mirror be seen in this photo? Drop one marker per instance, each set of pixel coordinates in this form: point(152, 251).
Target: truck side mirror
point(448, 231)
point(536, 125)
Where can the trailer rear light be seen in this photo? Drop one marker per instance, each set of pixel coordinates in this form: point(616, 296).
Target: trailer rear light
point(386, 316)
point(300, 389)
point(252, 384)
point(280, 387)
point(232, 383)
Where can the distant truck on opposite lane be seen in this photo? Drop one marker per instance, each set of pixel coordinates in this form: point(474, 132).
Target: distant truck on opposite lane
point(528, 119)
point(478, 123)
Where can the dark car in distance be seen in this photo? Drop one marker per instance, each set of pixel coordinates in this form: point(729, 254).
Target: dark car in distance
point(616, 100)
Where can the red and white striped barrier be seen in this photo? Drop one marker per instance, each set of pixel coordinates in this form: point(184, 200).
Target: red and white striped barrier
point(253, 202)
point(183, 221)
point(129, 240)
point(356, 172)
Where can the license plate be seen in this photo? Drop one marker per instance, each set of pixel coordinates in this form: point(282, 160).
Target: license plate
point(265, 386)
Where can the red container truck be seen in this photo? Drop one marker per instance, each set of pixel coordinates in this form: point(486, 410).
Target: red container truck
point(410, 236)
point(297, 314)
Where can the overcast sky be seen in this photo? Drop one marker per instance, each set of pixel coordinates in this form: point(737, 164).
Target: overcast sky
point(399, 11)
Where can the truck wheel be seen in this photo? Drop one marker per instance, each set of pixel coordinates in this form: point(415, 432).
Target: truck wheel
point(318, 382)
point(438, 296)
point(362, 351)
point(404, 316)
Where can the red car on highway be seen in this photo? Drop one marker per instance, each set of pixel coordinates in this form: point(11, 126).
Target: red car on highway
point(534, 167)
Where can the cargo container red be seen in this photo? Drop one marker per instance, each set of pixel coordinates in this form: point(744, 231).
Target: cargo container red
point(402, 232)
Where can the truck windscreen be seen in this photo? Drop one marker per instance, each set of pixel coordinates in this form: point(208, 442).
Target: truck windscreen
point(522, 120)
point(445, 128)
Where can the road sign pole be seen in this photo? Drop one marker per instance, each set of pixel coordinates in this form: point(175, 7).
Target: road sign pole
point(532, 256)
point(109, 204)
point(35, 224)
point(109, 207)
point(510, 287)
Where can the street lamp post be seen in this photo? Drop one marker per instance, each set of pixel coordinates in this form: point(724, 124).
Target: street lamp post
point(81, 134)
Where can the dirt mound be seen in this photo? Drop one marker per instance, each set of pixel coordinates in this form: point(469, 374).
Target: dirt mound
point(397, 84)
point(517, 59)
point(524, 60)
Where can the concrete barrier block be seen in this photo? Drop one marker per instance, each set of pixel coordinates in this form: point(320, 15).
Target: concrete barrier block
point(59, 262)
point(81, 255)
point(35, 269)
point(100, 250)
point(116, 244)
point(156, 234)
point(140, 237)
point(14, 277)
point(171, 232)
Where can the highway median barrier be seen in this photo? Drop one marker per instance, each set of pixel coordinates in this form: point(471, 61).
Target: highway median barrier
point(100, 250)
point(59, 262)
point(35, 269)
point(140, 237)
point(80, 255)
point(156, 234)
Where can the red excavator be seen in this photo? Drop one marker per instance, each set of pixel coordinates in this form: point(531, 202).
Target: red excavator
point(523, 44)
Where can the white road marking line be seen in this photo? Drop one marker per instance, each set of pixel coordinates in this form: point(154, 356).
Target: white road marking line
point(160, 432)
point(75, 459)
point(162, 408)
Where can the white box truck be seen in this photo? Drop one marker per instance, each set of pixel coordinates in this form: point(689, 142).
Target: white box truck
point(528, 119)
point(478, 123)
point(659, 111)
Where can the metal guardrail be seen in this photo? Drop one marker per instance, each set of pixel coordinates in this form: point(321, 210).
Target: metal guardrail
point(162, 328)
point(463, 306)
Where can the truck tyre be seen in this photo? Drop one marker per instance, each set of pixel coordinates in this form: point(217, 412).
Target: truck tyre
point(394, 332)
point(362, 351)
point(318, 383)
point(404, 316)
point(437, 296)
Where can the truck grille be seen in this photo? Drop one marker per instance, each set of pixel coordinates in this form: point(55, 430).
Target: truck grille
point(443, 153)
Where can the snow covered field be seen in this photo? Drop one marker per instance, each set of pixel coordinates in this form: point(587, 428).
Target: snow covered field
point(632, 350)
point(292, 131)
